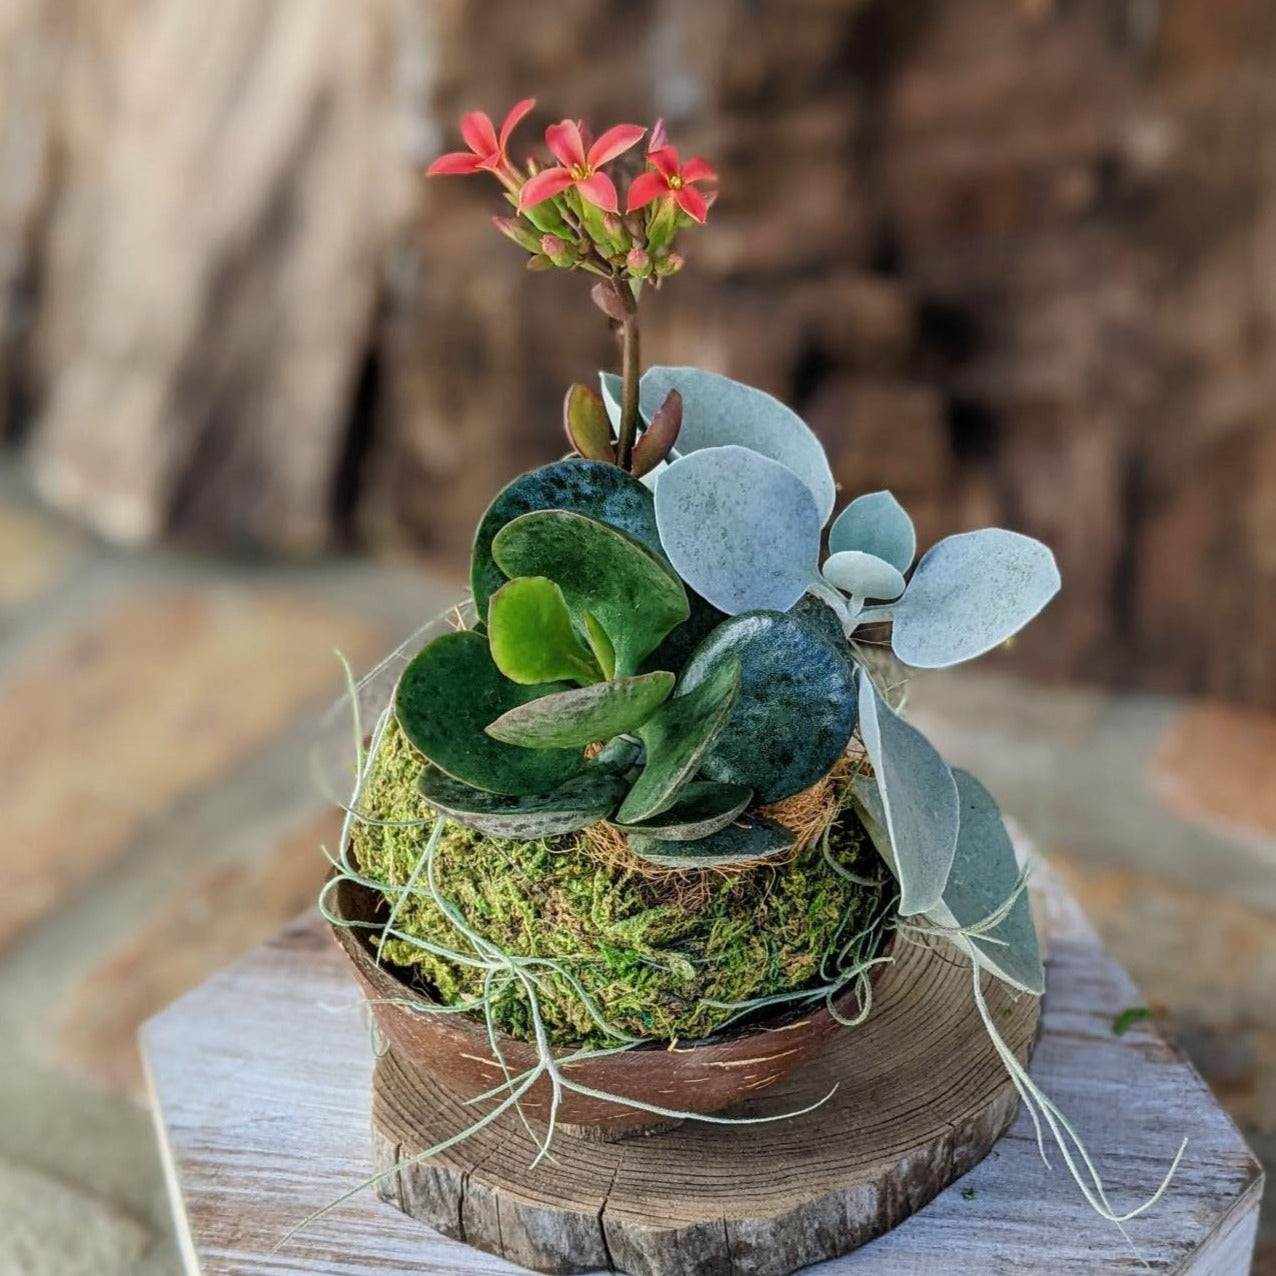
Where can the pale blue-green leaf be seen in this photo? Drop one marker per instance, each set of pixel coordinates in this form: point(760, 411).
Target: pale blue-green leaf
point(969, 593)
point(742, 530)
point(984, 876)
point(866, 801)
point(875, 523)
point(919, 800)
point(717, 411)
point(611, 388)
point(863, 575)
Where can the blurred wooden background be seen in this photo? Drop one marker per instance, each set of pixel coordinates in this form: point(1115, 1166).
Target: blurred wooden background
point(1016, 261)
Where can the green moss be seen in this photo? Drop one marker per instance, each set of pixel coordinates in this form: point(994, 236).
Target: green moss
point(649, 952)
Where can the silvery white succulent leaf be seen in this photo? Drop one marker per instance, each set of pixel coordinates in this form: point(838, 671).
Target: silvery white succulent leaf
point(970, 593)
point(741, 529)
point(919, 803)
point(863, 575)
point(984, 875)
point(610, 386)
point(717, 411)
point(876, 524)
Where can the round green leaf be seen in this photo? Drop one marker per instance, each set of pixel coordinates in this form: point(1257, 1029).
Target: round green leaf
point(739, 843)
point(630, 592)
point(594, 488)
point(446, 697)
point(531, 634)
point(742, 530)
point(969, 594)
point(984, 875)
point(717, 411)
point(702, 808)
point(677, 736)
point(876, 524)
point(862, 575)
point(918, 810)
point(582, 801)
point(575, 718)
point(796, 708)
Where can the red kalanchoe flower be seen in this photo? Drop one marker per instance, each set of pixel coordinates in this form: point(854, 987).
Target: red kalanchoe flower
point(671, 179)
point(578, 167)
point(487, 150)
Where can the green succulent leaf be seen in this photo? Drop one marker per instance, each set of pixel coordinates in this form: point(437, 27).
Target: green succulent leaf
point(594, 488)
point(741, 529)
point(970, 593)
point(586, 424)
point(446, 697)
point(796, 707)
point(984, 875)
point(617, 756)
point(677, 737)
point(863, 575)
point(532, 636)
point(583, 715)
point(701, 809)
point(632, 594)
point(918, 808)
point(601, 645)
point(717, 411)
point(739, 843)
point(581, 801)
point(876, 524)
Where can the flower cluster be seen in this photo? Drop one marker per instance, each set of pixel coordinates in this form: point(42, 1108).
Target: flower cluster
point(568, 214)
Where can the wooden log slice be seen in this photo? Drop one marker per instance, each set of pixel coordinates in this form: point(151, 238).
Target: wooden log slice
point(919, 1097)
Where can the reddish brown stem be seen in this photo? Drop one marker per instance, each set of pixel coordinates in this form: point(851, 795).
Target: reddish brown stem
point(629, 371)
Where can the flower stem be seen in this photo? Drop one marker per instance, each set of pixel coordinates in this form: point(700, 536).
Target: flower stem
point(629, 370)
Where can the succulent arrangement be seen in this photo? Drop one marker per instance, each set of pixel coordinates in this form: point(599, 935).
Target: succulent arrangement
point(674, 636)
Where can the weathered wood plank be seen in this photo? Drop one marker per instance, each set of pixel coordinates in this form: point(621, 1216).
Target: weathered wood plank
point(262, 1082)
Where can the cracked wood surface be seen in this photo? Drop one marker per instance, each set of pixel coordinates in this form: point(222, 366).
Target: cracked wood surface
point(262, 1081)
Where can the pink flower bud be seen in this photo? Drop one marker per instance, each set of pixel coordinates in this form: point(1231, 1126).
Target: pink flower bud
point(612, 224)
point(638, 261)
point(670, 264)
point(552, 246)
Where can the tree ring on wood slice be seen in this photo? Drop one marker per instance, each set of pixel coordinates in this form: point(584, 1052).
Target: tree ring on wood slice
point(921, 1098)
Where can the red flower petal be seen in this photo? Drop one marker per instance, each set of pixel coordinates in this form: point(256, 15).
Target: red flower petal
point(659, 136)
point(665, 160)
point(454, 164)
point(645, 188)
point(478, 133)
point(536, 190)
point(563, 139)
point(600, 190)
point(517, 111)
point(615, 141)
point(698, 170)
point(691, 202)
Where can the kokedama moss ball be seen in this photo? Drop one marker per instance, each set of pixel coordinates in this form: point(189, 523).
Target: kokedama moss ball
point(651, 952)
